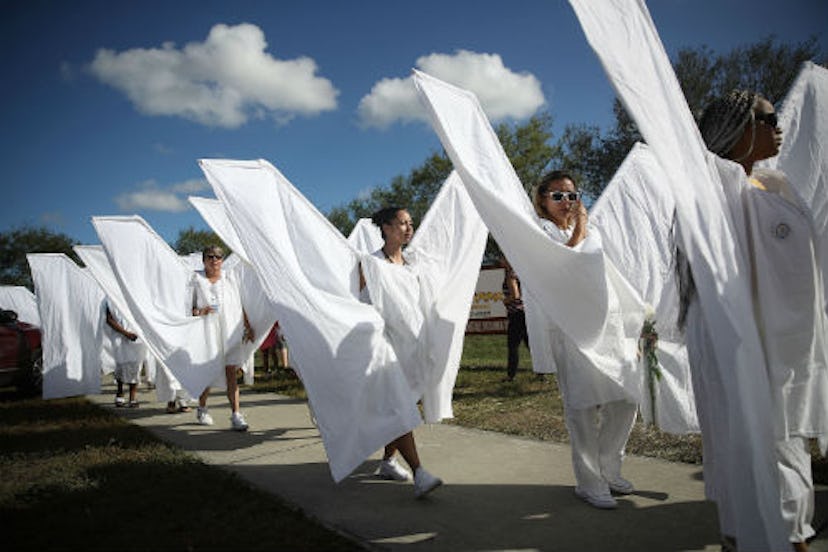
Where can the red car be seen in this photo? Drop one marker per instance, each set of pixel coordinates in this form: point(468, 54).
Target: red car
point(21, 359)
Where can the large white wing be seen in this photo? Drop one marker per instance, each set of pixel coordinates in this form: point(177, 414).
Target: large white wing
point(72, 310)
point(155, 283)
point(359, 395)
point(803, 156)
point(635, 215)
point(623, 36)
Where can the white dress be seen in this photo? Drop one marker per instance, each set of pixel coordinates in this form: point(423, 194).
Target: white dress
point(228, 320)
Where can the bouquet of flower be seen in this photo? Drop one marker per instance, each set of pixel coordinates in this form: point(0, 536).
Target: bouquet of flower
point(647, 349)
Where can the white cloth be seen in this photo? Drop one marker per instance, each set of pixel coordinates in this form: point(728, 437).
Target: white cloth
point(97, 264)
point(803, 156)
point(351, 371)
point(635, 215)
point(796, 485)
point(22, 301)
point(72, 315)
point(623, 35)
point(365, 237)
point(125, 351)
point(426, 303)
point(576, 290)
point(156, 284)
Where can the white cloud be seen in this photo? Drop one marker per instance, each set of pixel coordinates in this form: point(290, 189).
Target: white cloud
point(222, 81)
point(503, 93)
point(149, 197)
point(190, 186)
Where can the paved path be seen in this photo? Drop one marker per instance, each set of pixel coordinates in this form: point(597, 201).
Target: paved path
point(501, 492)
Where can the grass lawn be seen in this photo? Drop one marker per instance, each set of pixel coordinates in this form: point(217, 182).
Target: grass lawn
point(76, 477)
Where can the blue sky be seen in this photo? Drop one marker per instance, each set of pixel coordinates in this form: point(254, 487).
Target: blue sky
point(107, 105)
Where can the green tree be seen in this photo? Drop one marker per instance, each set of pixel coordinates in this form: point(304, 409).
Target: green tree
point(192, 240)
point(767, 67)
point(528, 147)
point(16, 243)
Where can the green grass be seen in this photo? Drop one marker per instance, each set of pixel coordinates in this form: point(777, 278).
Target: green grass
point(77, 477)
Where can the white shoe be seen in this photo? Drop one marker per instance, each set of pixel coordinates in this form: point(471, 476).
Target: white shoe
point(620, 486)
point(238, 422)
point(424, 482)
point(120, 402)
point(390, 469)
point(602, 501)
point(203, 417)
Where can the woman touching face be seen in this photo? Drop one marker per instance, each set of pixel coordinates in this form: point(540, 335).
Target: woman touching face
point(561, 202)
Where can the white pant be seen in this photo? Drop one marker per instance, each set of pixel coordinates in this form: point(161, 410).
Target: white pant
point(796, 487)
point(598, 436)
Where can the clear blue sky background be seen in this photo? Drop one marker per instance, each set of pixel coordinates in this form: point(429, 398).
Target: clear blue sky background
point(99, 117)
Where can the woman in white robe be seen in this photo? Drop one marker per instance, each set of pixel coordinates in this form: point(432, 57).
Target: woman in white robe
point(129, 357)
point(786, 284)
point(599, 421)
point(216, 294)
point(397, 229)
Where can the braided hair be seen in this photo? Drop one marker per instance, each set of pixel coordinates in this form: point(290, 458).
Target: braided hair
point(724, 121)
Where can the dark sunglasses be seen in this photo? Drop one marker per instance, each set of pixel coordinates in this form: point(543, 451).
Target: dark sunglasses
point(560, 196)
point(769, 119)
point(214, 256)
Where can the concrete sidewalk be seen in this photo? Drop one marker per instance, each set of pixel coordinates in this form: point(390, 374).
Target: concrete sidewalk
point(500, 492)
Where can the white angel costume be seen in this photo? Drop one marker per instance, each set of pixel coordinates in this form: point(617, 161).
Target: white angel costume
point(72, 313)
point(167, 388)
point(129, 355)
point(22, 301)
point(583, 317)
point(157, 287)
point(351, 368)
point(732, 377)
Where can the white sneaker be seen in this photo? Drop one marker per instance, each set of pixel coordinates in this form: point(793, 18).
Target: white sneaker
point(620, 486)
point(238, 422)
point(120, 402)
point(203, 417)
point(390, 469)
point(602, 501)
point(424, 482)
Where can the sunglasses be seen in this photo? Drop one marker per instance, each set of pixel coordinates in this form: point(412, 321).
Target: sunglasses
point(213, 256)
point(769, 119)
point(560, 196)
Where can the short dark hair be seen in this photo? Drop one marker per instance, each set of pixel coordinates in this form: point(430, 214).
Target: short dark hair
point(385, 216)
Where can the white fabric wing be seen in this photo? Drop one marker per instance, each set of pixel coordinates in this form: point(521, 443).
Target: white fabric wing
point(502, 202)
point(803, 156)
point(22, 301)
point(97, 263)
point(155, 283)
point(359, 395)
point(426, 304)
point(635, 216)
point(72, 315)
point(365, 237)
point(213, 213)
point(623, 35)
